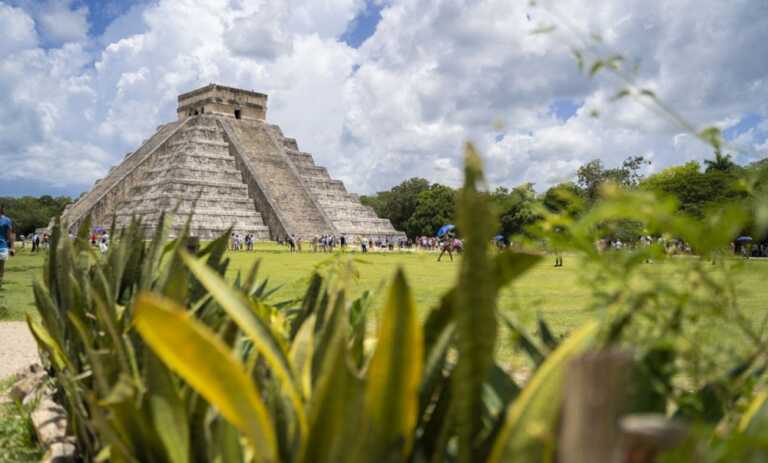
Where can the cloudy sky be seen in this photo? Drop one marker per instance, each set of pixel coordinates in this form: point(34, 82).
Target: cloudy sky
point(380, 90)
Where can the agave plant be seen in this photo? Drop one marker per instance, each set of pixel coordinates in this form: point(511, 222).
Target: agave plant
point(159, 358)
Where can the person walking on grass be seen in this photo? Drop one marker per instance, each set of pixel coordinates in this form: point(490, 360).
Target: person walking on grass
point(6, 241)
point(447, 246)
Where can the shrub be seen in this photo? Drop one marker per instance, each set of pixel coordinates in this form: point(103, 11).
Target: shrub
point(159, 359)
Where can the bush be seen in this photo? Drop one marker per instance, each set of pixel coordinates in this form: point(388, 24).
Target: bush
point(159, 359)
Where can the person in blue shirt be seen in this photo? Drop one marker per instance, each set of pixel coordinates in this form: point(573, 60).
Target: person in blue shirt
point(6, 241)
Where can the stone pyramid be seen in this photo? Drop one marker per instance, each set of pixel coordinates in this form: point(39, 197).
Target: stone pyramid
point(223, 163)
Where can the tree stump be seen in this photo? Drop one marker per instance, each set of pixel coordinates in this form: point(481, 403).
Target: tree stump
point(644, 437)
point(595, 391)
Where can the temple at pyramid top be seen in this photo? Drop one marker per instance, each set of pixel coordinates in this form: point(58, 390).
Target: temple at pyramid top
point(222, 165)
point(223, 101)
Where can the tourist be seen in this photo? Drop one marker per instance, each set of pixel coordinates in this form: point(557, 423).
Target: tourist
point(6, 241)
point(292, 242)
point(447, 246)
point(364, 244)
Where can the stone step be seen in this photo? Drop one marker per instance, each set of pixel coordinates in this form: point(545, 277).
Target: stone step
point(195, 156)
point(314, 173)
point(203, 120)
point(283, 184)
point(213, 217)
point(201, 132)
point(290, 143)
point(235, 214)
point(199, 163)
point(197, 142)
point(166, 201)
point(301, 159)
point(324, 185)
point(204, 231)
point(192, 188)
point(195, 173)
point(323, 196)
point(83, 206)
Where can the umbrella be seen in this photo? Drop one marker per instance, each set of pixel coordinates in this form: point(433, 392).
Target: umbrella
point(99, 230)
point(445, 229)
point(499, 237)
point(744, 239)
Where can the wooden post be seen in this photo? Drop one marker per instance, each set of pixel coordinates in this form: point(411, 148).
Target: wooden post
point(644, 437)
point(595, 390)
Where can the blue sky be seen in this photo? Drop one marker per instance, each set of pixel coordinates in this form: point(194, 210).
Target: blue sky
point(102, 12)
point(363, 26)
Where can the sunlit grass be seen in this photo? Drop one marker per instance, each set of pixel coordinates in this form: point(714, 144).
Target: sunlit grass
point(557, 294)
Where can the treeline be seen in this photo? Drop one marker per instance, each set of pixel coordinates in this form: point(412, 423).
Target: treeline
point(419, 207)
point(29, 213)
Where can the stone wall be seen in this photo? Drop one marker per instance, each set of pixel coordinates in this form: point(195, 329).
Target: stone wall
point(223, 101)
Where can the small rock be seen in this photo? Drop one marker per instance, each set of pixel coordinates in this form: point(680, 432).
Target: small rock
point(26, 385)
point(61, 452)
point(50, 422)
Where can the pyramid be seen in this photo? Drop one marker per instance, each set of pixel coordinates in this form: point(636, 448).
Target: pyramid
point(224, 164)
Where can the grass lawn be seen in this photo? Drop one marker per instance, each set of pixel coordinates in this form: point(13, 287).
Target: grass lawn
point(16, 297)
point(17, 437)
point(555, 293)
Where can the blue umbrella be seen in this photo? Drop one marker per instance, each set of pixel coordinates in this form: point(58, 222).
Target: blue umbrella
point(445, 229)
point(744, 239)
point(99, 230)
point(499, 237)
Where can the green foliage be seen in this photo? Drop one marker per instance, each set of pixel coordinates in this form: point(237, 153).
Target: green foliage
point(158, 359)
point(697, 192)
point(435, 207)
point(592, 176)
point(722, 163)
point(399, 203)
point(517, 208)
point(29, 213)
point(17, 438)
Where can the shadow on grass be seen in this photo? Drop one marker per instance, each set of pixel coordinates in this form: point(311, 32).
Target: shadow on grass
point(22, 268)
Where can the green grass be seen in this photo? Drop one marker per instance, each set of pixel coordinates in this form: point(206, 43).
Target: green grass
point(555, 293)
point(16, 293)
point(17, 439)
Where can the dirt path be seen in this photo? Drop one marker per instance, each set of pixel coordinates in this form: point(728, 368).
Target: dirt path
point(17, 348)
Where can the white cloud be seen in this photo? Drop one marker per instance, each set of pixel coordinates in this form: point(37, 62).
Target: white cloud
point(434, 74)
point(61, 24)
point(18, 30)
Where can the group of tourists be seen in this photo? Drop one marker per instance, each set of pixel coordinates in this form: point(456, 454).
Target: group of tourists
point(240, 242)
point(37, 241)
point(100, 239)
point(327, 243)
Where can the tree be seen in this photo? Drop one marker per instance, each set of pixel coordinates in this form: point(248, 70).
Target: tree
point(721, 163)
point(399, 203)
point(564, 197)
point(517, 208)
point(29, 213)
point(592, 175)
point(435, 207)
point(696, 191)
